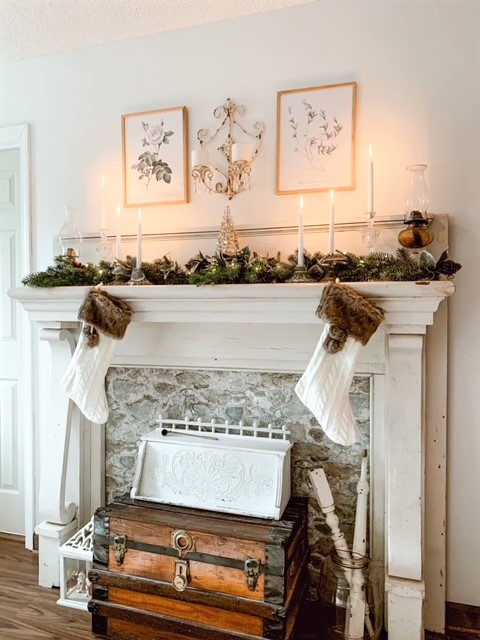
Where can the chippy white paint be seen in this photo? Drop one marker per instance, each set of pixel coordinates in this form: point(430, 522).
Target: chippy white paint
point(232, 468)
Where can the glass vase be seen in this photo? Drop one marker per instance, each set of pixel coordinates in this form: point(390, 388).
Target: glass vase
point(350, 598)
point(67, 242)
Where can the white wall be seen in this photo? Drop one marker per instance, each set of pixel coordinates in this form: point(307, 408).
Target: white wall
point(416, 63)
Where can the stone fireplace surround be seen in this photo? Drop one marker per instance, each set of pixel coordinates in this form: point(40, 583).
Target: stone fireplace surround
point(136, 397)
point(273, 328)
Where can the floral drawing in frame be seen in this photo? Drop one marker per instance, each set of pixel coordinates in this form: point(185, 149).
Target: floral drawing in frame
point(315, 138)
point(154, 145)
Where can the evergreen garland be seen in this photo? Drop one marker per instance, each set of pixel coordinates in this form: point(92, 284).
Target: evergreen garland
point(164, 271)
point(248, 267)
point(68, 273)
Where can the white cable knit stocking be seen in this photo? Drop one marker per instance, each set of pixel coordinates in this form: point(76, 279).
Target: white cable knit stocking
point(350, 321)
point(84, 379)
point(324, 389)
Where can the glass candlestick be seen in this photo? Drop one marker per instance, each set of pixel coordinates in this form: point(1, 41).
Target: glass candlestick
point(104, 249)
point(137, 276)
point(369, 234)
point(301, 275)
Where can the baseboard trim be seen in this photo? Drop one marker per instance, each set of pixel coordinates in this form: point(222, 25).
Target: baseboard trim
point(14, 537)
point(462, 618)
point(462, 622)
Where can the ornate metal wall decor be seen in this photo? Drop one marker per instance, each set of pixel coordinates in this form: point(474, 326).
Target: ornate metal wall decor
point(229, 172)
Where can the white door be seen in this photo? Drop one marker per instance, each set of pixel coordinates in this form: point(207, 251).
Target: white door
point(12, 496)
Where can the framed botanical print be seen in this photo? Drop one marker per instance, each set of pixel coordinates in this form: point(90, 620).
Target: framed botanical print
point(155, 153)
point(315, 138)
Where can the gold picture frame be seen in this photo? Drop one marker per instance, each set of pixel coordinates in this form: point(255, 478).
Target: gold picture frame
point(316, 138)
point(155, 157)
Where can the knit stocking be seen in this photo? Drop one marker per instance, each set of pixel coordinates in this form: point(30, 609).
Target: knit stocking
point(105, 321)
point(324, 387)
point(84, 379)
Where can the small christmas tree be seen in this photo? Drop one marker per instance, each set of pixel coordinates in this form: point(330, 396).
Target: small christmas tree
point(227, 242)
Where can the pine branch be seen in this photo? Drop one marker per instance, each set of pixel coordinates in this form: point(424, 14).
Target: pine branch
point(249, 267)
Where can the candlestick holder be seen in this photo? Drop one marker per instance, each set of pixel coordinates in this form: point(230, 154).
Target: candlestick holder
point(121, 274)
point(330, 262)
point(137, 276)
point(301, 275)
point(370, 235)
point(104, 249)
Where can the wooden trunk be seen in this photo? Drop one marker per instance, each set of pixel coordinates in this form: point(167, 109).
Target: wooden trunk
point(170, 573)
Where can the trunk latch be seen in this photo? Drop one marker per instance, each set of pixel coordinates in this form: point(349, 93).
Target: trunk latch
point(120, 548)
point(252, 571)
point(180, 579)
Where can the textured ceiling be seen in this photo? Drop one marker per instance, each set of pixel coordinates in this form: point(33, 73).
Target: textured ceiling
point(31, 28)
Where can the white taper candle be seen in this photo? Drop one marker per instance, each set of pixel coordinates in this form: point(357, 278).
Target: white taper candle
point(139, 240)
point(103, 209)
point(118, 233)
point(331, 224)
point(370, 181)
point(300, 234)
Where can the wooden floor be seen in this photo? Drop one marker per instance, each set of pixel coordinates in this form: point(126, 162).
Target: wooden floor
point(30, 612)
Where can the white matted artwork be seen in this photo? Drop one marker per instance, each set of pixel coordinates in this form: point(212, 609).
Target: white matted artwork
point(315, 138)
point(154, 147)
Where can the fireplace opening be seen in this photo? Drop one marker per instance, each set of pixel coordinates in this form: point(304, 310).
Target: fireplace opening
point(137, 396)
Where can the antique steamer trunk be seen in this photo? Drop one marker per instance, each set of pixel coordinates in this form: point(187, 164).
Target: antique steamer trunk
point(165, 572)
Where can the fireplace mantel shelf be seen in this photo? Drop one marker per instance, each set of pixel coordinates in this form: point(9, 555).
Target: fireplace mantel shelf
point(405, 303)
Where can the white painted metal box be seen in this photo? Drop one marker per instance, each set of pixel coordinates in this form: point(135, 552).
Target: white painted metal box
point(219, 467)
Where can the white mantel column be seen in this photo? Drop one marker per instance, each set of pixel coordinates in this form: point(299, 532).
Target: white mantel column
point(405, 455)
point(57, 515)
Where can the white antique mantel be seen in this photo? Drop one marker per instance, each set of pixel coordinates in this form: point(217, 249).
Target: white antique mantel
point(274, 328)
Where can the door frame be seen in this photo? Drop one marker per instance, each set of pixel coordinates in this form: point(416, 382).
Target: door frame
point(18, 137)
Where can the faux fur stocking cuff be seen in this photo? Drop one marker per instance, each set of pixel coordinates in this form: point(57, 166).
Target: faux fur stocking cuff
point(104, 313)
point(349, 314)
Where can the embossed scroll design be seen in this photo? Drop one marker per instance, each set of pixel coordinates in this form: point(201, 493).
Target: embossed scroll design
point(209, 475)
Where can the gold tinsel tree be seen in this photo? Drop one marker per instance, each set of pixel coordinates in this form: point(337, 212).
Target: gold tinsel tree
point(227, 242)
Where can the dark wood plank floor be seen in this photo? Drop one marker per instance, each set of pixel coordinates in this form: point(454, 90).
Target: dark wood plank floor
point(30, 612)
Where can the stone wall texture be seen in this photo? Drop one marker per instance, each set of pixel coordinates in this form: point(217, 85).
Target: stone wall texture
point(137, 396)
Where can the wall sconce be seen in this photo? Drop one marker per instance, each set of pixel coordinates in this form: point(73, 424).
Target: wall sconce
point(235, 176)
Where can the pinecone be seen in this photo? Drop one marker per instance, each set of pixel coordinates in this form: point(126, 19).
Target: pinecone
point(446, 269)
